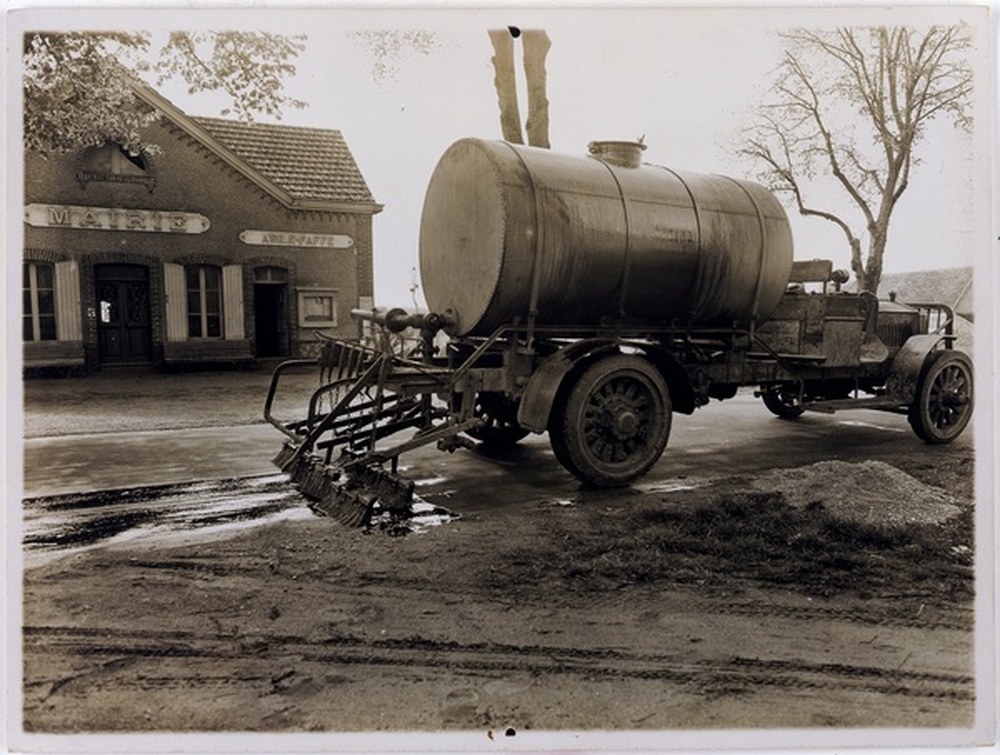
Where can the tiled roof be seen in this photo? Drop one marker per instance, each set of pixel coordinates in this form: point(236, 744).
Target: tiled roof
point(951, 286)
point(311, 164)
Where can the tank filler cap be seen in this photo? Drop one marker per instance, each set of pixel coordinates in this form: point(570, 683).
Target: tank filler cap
point(624, 154)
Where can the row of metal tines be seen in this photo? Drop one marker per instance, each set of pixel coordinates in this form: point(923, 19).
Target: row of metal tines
point(348, 495)
point(341, 360)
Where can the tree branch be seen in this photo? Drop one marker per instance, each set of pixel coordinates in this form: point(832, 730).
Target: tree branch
point(898, 80)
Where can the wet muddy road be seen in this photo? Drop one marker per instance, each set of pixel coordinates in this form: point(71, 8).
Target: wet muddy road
point(56, 526)
point(225, 605)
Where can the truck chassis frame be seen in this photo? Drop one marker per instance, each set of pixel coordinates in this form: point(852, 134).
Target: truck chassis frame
point(605, 395)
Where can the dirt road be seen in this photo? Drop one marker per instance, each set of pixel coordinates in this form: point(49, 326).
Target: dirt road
point(297, 625)
point(683, 605)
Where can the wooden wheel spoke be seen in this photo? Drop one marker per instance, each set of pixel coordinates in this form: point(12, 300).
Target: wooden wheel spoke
point(943, 405)
point(615, 421)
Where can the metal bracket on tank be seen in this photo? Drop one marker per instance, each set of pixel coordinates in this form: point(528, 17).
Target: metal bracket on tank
point(536, 269)
point(626, 155)
point(763, 249)
point(627, 263)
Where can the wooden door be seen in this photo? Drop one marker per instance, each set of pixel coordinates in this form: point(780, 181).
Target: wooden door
point(124, 328)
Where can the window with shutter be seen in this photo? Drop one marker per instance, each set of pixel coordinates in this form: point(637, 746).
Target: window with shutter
point(39, 302)
point(204, 301)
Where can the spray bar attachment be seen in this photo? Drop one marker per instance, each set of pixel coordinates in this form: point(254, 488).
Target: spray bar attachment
point(366, 395)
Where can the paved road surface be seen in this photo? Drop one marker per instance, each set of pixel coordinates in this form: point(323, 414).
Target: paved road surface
point(105, 461)
point(724, 438)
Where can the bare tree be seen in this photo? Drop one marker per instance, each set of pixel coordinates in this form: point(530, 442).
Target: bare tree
point(536, 47)
point(852, 105)
point(506, 84)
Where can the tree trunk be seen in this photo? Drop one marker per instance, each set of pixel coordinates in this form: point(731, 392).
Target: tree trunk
point(873, 265)
point(536, 47)
point(503, 66)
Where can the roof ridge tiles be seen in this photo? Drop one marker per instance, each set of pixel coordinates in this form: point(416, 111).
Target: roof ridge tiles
point(309, 163)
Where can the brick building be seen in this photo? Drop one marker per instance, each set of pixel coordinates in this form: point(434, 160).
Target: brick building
point(232, 243)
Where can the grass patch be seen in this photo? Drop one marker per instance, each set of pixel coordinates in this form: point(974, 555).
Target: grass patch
point(755, 537)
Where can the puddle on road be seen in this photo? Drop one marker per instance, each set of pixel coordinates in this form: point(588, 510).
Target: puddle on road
point(660, 486)
point(93, 531)
point(669, 486)
point(422, 515)
point(859, 423)
point(420, 518)
point(55, 526)
point(427, 481)
point(66, 523)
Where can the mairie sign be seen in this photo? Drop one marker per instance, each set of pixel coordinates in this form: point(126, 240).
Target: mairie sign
point(288, 238)
point(114, 219)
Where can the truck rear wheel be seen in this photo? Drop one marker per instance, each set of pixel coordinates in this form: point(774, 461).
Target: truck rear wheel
point(783, 401)
point(614, 421)
point(500, 416)
point(943, 404)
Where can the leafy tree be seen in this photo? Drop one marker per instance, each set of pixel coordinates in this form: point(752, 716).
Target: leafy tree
point(852, 105)
point(79, 86)
point(390, 47)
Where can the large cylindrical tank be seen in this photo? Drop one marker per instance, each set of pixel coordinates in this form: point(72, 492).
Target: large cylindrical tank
point(580, 240)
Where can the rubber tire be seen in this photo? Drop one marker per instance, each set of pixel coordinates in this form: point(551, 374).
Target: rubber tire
point(776, 401)
point(932, 419)
point(579, 412)
point(502, 430)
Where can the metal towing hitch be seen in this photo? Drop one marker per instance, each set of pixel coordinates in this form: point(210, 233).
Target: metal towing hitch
point(366, 394)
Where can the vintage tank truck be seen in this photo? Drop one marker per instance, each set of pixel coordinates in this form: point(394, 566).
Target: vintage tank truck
point(591, 297)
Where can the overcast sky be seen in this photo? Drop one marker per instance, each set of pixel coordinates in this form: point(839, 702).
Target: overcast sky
point(404, 84)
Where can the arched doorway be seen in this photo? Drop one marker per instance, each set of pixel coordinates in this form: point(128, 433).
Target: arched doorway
point(124, 325)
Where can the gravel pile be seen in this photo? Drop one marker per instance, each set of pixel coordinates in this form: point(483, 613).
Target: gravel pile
point(870, 492)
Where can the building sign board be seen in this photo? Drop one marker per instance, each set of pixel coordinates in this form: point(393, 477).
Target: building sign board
point(287, 238)
point(84, 176)
point(114, 219)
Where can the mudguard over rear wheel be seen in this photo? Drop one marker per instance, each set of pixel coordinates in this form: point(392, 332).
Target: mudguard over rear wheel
point(943, 403)
point(614, 421)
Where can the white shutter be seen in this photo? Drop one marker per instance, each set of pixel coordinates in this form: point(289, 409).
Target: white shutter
point(175, 289)
point(69, 320)
point(232, 303)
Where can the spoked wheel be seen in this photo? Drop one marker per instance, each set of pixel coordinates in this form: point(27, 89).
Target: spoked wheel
point(783, 401)
point(501, 428)
point(943, 405)
point(614, 423)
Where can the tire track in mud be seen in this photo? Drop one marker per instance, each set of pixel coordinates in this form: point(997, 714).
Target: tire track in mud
point(379, 586)
point(959, 619)
point(128, 648)
point(367, 586)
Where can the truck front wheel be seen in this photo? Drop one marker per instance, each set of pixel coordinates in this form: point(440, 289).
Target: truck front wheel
point(614, 421)
point(943, 404)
